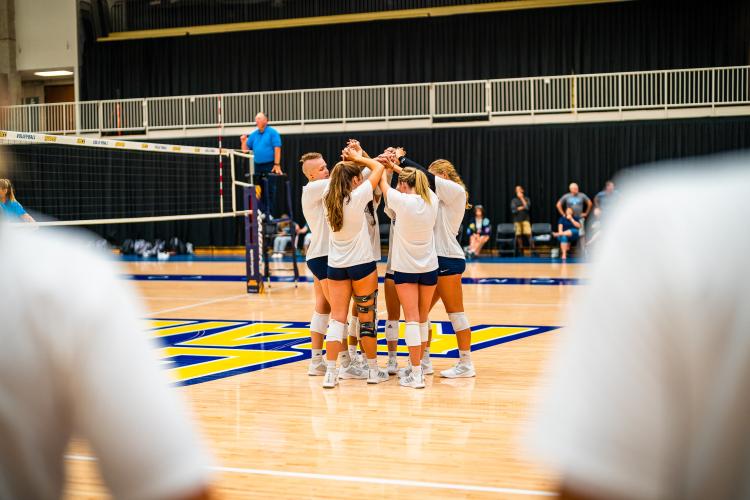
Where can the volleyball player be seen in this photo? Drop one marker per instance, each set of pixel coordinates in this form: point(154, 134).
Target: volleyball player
point(453, 197)
point(392, 304)
point(351, 268)
point(316, 171)
point(414, 260)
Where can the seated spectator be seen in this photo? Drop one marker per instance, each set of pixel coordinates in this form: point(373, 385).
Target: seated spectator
point(308, 236)
point(575, 200)
point(520, 206)
point(9, 207)
point(606, 197)
point(478, 231)
point(568, 231)
point(283, 236)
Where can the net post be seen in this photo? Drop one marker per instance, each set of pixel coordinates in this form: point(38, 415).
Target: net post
point(234, 179)
point(252, 245)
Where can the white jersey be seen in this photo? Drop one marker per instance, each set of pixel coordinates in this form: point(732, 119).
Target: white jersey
point(392, 218)
point(351, 245)
point(648, 392)
point(451, 210)
point(413, 243)
point(373, 225)
point(312, 208)
point(75, 358)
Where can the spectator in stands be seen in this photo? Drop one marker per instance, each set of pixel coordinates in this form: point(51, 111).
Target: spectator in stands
point(265, 143)
point(478, 231)
point(606, 197)
point(305, 230)
point(568, 231)
point(9, 206)
point(75, 358)
point(283, 236)
point(575, 200)
point(520, 206)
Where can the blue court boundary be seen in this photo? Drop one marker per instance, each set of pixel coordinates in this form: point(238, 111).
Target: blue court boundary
point(240, 258)
point(213, 278)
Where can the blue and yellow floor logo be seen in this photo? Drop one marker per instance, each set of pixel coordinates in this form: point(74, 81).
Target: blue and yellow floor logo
point(196, 351)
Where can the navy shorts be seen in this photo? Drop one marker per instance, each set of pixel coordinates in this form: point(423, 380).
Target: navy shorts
point(389, 276)
point(448, 266)
point(354, 273)
point(427, 279)
point(319, 267)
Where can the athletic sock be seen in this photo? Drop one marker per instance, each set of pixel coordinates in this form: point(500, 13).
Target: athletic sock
point(465, 357)
point(392, 354)
point(317, 353)
point(353, 351)
point(372, 363)
point(330, 365)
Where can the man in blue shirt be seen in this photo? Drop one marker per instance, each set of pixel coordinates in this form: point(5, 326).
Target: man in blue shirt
point(575, 200)
point(265, 142)
point(605, 198)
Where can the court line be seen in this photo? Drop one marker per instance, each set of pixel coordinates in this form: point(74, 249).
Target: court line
point(366, 480)
point(214, 301)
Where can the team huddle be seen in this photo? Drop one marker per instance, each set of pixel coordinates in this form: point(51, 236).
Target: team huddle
point(425, 262)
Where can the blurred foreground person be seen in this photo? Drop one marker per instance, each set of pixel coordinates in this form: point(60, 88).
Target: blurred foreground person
point(74, 359)
point(648, 392)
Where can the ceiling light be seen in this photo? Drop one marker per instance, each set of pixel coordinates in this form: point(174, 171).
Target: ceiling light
point(59, 72)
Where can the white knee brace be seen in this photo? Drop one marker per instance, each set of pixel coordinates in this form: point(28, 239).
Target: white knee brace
point(459, 321)
point(354, 327)
point(391, 330)
point(319, 323)
point(424, 332)
point(335, 332)
point(413, 338)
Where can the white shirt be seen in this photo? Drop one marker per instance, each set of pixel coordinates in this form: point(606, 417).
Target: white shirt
point(649, 394)
point(413, 243)
point(351, 245)
point(74, 358)
point(392, 216)
point(312, 208)
point(451, 212)
point(372, 220)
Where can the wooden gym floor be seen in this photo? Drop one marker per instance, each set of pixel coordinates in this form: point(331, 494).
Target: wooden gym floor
point(274, 432)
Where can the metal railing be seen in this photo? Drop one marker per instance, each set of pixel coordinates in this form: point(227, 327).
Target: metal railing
point(668, 89)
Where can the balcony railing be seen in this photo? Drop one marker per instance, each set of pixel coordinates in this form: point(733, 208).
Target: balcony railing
point(479, 99)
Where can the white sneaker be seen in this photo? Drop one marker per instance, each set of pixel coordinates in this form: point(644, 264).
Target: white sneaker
point(427, 366)
point(353, 371)
point(345, 359)
point(331, 379)
point(459, 370)
point(377, 375)
point(413, 380)
point(392, 365)
point(405, 371)
point(317, 367)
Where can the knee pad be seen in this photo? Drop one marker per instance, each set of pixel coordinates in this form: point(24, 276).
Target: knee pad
point(335, 331)
point(319, 323)
point(354, 327)
point(424, 332)
point(412, 335)
point(459, 321)
point(391, 330)
point(368, 329)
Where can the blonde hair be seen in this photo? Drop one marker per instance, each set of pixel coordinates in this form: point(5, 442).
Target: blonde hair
point(10, 196)
point(416, 179)
point(339, 192)
point(309, 156)
point(446, 168)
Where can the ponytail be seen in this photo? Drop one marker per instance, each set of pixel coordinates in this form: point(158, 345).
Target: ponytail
point(339, 192)
point(418, 180)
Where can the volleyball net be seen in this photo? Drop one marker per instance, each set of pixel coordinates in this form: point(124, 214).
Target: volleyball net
point(122, 189)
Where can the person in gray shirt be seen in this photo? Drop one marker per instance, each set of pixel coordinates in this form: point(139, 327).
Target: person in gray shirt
point(575, 200)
